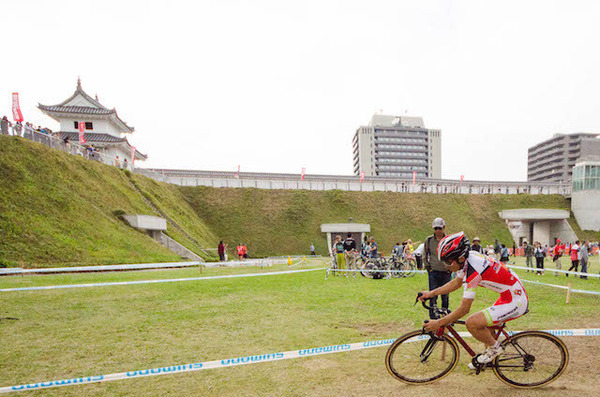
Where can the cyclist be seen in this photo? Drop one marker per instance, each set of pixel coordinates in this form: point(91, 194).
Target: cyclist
point(475, 269)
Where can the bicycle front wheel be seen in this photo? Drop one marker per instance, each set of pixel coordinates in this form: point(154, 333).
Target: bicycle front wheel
point(418, 358)
point(531, 359)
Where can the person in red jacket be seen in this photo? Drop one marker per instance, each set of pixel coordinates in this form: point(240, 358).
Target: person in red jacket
point(557, 253)
point(574, 256)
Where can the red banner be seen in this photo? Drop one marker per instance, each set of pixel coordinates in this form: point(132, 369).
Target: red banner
point(303, 171)
point(414, 177)
point(462, 177)
point(132, 155)
point(81, 132)
point(237, 174)
point(362, 176)
point(16, 108)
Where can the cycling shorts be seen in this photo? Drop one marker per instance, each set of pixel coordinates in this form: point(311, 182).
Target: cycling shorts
point(512, 304)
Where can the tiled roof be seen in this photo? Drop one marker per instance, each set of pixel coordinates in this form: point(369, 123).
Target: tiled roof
point(75, 109)
point(92, 137)
point(96, 108)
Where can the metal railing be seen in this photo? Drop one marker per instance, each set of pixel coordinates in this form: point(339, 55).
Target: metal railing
point(72, 147)
point(349, 183)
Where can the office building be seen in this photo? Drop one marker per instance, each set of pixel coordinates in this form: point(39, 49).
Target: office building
point(553, 160)
point(397, 147)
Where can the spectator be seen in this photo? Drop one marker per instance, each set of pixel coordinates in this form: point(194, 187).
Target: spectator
point(408, 250)
point(539, 254)
point(18, 128)
point(372, 250)
point(583, 255)
point(221, 250)
point(556, 254)
point(514, 253)
point(245, 250)
point(396, 251)
point(4, 124)
point(365, 247)
point(504, 253)
point(338, 252)
point(528, 251)
point(476, 245)
point(574, 256)
point(497, 249)
point(240, 251)
point(312, 250)
point(350, 252)
point(437, 273)
point(419, 256)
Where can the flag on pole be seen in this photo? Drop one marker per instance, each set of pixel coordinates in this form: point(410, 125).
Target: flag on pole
point(237, 174)
point(461, 178)
point(303, 171)
point(82, 132)
point(414, 177)
point(132, 155)
point(16, 108)
point(362, 176)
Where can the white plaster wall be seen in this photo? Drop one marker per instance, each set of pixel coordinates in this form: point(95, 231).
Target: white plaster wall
point(586, 208)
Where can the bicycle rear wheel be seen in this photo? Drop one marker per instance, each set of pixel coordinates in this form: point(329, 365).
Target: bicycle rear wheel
point(410, 268)
point(418, 358)
point(531, 359)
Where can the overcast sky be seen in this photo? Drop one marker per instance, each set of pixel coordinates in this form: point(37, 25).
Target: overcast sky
point(279, 85)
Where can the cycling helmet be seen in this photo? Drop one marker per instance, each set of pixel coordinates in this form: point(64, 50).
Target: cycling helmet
point(453, 247)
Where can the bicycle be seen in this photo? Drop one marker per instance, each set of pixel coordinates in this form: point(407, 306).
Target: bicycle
point(397, 263)
point(530, 359)
point(370, 268)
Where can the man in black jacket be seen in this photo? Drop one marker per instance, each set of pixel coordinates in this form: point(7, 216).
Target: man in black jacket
point(436, 271)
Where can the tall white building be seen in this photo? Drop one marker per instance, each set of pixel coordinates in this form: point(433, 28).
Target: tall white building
point(397, 146)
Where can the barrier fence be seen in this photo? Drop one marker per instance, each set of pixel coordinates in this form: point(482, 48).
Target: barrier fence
point(260, 358)
point(173, 280)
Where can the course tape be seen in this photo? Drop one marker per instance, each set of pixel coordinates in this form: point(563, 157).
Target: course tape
point(261, 358)
point(172, 280)
point(102, 268)
point(549, 270)
point(581, 291)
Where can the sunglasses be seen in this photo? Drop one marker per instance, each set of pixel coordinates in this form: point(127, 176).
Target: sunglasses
point(437, 228)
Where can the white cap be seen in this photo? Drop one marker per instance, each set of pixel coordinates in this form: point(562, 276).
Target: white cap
point(438, 222)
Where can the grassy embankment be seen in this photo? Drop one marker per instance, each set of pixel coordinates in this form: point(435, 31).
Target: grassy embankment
point(82, 332)
point(284, 221)
point(59, 209)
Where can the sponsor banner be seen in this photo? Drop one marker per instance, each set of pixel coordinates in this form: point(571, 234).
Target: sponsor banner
point(132, 155)
point(362, 176)
point(82, 132)
point(547, 269)
point(16, 107)
point(303, 172)
point(173, 280)
point(261, 358)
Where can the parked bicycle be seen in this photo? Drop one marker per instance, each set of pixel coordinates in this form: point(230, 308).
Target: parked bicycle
point(530, 358)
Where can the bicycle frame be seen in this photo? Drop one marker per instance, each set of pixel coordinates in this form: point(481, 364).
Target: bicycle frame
point(497, 330)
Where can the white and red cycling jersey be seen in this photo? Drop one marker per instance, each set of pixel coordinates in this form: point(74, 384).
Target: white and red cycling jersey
point(485, 271)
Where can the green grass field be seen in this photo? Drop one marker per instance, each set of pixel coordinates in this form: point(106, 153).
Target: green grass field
point(69, 333)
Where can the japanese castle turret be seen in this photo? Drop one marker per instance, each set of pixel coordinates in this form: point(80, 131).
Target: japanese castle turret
point(104, 129)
